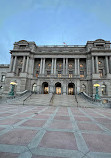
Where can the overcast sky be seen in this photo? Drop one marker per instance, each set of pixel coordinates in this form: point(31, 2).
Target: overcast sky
point(52, 22)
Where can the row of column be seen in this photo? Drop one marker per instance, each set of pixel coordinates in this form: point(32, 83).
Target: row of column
point(54, 65)
point(13, 64)
point(95, 69)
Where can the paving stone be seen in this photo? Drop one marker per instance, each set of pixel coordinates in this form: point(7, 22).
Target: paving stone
point(61, 125)
point(89, 126)
point(103, 120)
point(77, 118)
point(59, 140)
point(18, 137)
point(39, 116)
point(62, 118)
point(34, 123)
point(8, 155)
point(5, 114)
point(35, 156)
point(98, 142)
point(9, 121)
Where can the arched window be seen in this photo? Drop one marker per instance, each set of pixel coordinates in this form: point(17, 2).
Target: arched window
point(103, 89)
point(34, 87)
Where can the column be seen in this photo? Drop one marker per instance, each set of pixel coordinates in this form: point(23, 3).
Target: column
point(43, 71)
point(41, 66)
point(93, 69)
point(66, 66)
point(110, 64)
point(27, 63)
point(15, 61)
point(63, 66)
point(107, 65)
point(23, 66)
point(52, 66)
point(97, 71)
point(75, 66)
point(55, 66)
point(11, 64)
point(78, 67)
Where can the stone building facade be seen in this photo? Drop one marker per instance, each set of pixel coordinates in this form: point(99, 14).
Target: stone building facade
point(64, 69)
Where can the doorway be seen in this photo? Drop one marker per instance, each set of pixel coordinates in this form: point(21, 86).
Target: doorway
point(71, 89)
point(45, 88)
point(58, 88)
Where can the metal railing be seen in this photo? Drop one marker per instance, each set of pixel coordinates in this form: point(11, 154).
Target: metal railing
point(90, 99)
point(27, 98)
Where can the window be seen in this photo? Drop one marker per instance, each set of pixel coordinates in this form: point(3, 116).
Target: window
point(81, 65)
point(49, 65)
point(59, 74)
point(3, 78)
point(99, 62)
point(37, 73)
point(81, 74)
point(101, 72)
point(70, 65)
point(48, 73)
point(70, 74)
point(60, 65)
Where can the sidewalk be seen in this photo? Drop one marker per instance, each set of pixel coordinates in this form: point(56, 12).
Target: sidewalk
point(54, 132)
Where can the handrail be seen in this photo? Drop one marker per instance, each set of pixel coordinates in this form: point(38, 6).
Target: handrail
point(92, 100)
point(76, 99)
point(27, 98)
point(51, 100)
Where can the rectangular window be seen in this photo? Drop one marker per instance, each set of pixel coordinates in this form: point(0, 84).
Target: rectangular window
point(3, 78)
point(70, 74)
point(101, 72)
point(59, 74)
point(48, 73)
point(81, 74)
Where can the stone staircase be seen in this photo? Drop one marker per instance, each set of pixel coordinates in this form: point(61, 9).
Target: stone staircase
point(64, 100)
point(38, 99)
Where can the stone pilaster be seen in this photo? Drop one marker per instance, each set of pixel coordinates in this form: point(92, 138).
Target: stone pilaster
point(110, 64)
point(23, 66)
point(63, 66)
point(93, 67)
point(75, 66)
point(15, 61)
point(43, 71)
point(107, 65)
point(78, 67)
point(97, 70)
point(11, 64)
point(27, 63)
point(52, 66)
point(41, 66)
point(55, 66)
point(66, 66)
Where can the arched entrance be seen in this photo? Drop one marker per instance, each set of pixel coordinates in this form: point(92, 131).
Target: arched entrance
point(71, 89)
point(34, 87)
point(45, 88)
point(58, 88)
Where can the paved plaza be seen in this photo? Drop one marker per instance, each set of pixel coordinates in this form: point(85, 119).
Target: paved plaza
point(54, 132)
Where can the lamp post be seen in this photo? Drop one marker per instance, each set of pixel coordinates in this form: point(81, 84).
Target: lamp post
point(13, 84)
point(97, 95)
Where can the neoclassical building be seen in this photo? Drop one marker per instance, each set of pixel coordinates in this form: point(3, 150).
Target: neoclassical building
point(60, 69)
